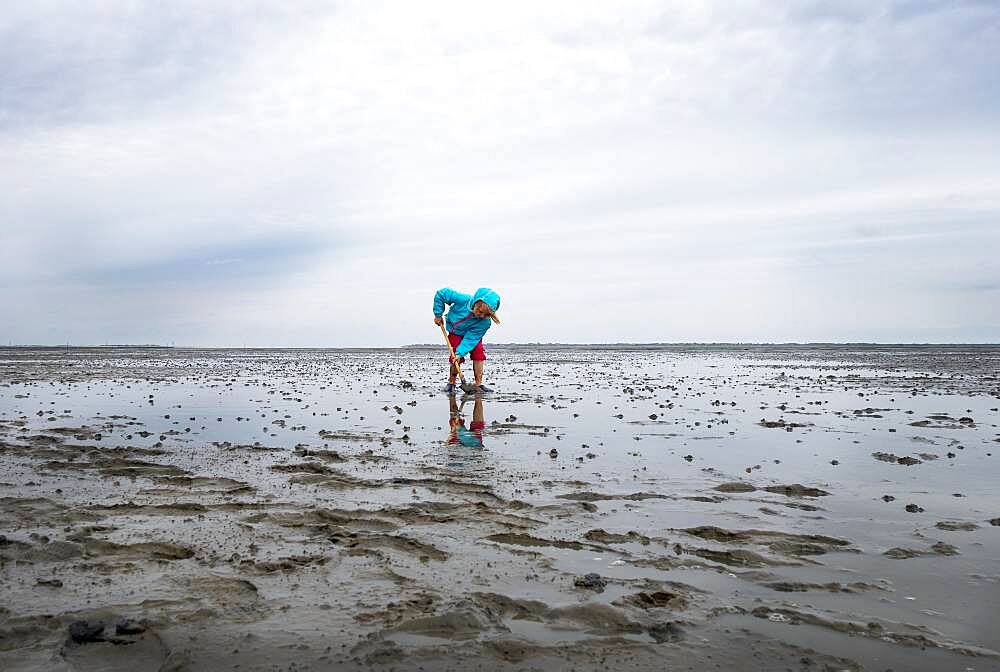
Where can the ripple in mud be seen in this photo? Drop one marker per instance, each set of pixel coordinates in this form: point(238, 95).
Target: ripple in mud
point(780, 542)
point(940, 548)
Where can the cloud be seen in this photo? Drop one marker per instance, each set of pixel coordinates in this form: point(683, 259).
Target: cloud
point(217, 266)
point(695, 167)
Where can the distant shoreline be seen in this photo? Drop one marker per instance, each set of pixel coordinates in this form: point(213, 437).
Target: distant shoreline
point(524, 346)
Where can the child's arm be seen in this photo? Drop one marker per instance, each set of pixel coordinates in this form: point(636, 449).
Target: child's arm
point(446, 296)
point(443, 297)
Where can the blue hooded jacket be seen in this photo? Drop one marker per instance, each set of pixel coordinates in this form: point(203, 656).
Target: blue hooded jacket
point(472, 329)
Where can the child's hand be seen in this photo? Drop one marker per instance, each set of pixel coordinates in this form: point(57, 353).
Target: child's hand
point(457, 359)
point(438, 320)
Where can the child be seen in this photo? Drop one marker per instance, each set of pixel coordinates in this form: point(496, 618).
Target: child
point(468, 319)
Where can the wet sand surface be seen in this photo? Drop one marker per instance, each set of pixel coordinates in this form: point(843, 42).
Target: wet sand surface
point(699, 508)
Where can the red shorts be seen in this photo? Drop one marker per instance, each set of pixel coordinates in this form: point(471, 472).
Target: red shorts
point(478, 354)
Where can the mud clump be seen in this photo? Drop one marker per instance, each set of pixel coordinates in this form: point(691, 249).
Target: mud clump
point(515, 539)
point(956, 526)
point(285, 565)
point(896, 459)
point(736, 558)
point(780, 424)
point(303, 468)
point(659, 599)
point(361, 542)
point(396, 612)
point(455, 625)
point(602, 537)
point(735, 487)
point(85, 632)
point(796, 490)
point(590, 582)
point(598, 497)
point(128, 626)
point(666, 632)
point(325, 455)
point(940, 548)
point(832, 587)
point(779, 542)
point(151, 550)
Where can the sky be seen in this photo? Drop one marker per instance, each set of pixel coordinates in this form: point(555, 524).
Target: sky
point(308, 174)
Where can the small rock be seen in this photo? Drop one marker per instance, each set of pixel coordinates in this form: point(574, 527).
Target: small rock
point(913, 508)
point(666, 632)
point(888, 498)
point(553, 453)
point(83, 632)
point(590, 581)
point(129, 626)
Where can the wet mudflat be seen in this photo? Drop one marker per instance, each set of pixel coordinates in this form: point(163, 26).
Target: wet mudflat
point(690, 508)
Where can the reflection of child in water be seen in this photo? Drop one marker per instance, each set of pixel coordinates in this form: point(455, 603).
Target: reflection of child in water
point(471, 436)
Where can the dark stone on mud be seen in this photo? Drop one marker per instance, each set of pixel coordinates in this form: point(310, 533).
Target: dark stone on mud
point(666, 632)
point(51, 583)
point(590, 581)
point(888, 498)
point(128, 626)
point(913, 508)
point(83, 632)
point(553, 453)
point(995, 522)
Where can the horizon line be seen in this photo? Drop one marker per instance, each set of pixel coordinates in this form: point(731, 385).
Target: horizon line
point(413, 346)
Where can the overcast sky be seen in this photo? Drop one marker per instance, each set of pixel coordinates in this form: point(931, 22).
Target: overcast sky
point(308, 175)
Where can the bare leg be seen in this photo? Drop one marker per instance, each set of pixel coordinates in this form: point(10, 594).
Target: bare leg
point(477, 367)
point(452, 374)
point(477, 410)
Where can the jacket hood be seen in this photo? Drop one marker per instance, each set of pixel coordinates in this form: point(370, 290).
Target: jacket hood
point(487, 296)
